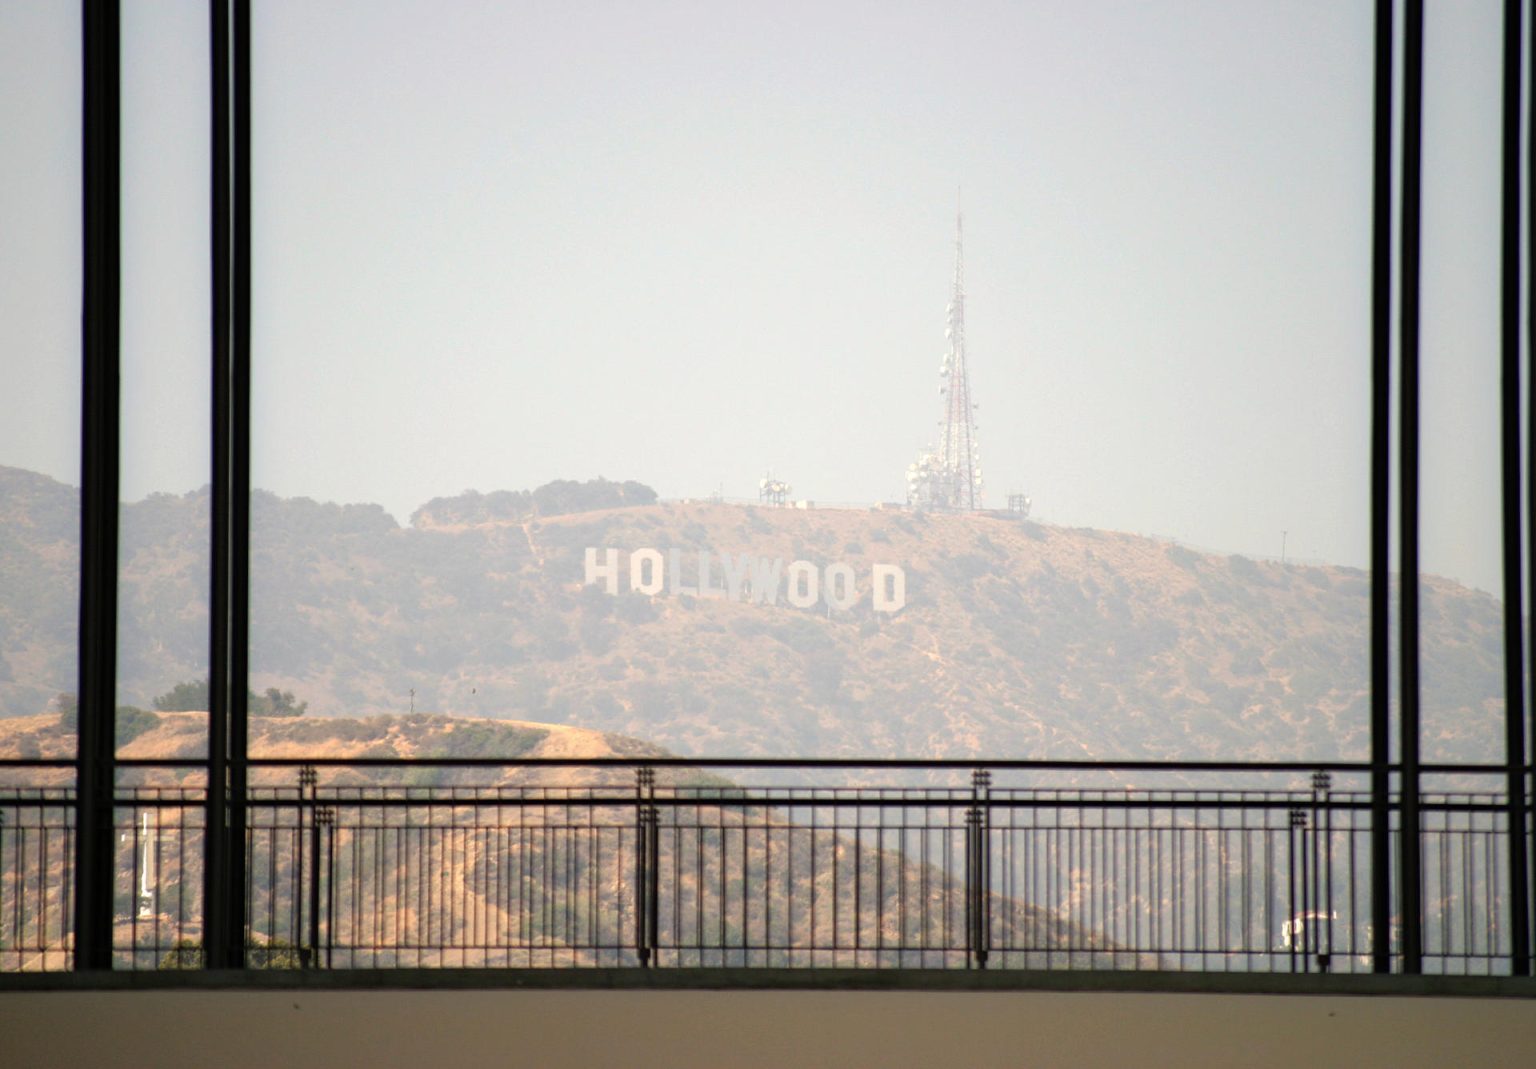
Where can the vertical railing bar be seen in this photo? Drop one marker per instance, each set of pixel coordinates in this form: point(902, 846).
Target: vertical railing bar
point(1290, 908)
point(181, 867)
point(767, 882)
point(1352, 869)
point(1311, 908)
point(701, 817)
point(330, 882)
point(1328, 911)
point(1245, 881)
point(1005, 888)
point(42, 888)
point(508, 861)
point(984, 846)
point(722, 897)
point(314, 864)
point(272, 840)
point(1469, 841)
point(594, 871)
point(1044, 823)
point(355, 928)
point(1112, 881)
point(744, 929)
point(951, 942)
point(970, 885)
point(405, 936)
point(858, 879)
point(1136, 893)
point(901, 856)
point(1117, 880)
point(643, 866)
point(1154, 882)
point(15, 939)
point(1204, 877)
point(298, 892)
point(1223, 937)
point(1180, 888)
point(524, 881)
point(879, 851)
point(814, 928)
point(135, 852)
point(654, 875)
point(1446, 843)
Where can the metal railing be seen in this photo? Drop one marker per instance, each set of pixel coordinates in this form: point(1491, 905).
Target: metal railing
point(349, 867)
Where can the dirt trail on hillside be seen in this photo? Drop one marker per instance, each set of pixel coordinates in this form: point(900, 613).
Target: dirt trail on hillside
point(533, 550)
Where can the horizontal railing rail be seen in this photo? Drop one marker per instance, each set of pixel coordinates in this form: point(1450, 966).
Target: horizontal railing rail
point(662, 863)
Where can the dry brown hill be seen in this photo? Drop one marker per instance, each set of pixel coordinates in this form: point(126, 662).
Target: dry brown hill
point(1017, 639)
point(515, 886)
point(185, 735)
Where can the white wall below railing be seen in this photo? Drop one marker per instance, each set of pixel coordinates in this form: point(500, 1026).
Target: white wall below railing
point(684, 1028)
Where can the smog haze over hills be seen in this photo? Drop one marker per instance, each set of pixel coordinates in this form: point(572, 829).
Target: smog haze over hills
point(1016, 639)
point(499, 245)
point(610, 265)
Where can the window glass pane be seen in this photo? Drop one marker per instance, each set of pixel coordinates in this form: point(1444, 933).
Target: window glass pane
point(1461, 598)
point(164, 551)
point(39, 377)
point(40, 288)
point(503, 253)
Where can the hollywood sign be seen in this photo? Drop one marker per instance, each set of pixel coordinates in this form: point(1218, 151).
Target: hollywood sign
point(744, 577)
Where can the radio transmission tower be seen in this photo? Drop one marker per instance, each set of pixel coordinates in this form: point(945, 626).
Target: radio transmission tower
point(949, 478)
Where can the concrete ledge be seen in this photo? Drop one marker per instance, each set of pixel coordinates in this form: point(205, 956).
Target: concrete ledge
point(677, 1020)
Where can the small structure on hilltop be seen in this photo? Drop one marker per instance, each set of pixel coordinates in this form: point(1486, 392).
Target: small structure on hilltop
point(771, 491)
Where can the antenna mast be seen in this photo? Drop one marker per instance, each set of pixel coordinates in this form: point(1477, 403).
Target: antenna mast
point(949, 479)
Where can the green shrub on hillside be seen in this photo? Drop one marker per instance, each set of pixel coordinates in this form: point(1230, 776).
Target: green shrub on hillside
point(133, 722)
point(192, 696)
point(1184, 558)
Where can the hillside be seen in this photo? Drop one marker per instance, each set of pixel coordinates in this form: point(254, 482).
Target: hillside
point(418, 735)
point(1016, 639)
point(536, 892)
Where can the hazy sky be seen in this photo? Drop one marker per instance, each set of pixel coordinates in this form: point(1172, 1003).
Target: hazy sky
point(498, 244)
